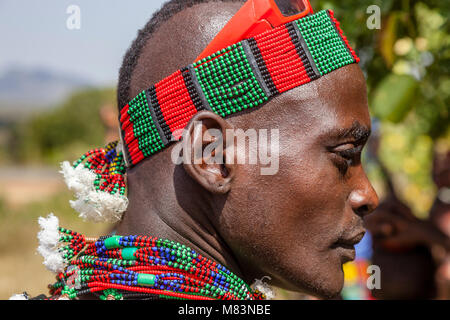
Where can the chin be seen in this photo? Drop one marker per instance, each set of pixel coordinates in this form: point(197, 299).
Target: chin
point(330, 291)
point(324, 283)
point(329, 288)
point(330, 280)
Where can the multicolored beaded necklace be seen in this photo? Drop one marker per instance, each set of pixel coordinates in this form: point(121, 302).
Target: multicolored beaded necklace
point(130, 267)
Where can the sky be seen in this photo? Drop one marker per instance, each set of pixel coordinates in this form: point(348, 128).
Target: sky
point(34, 34)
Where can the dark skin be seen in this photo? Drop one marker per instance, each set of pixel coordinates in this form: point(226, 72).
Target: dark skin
point(297, 226)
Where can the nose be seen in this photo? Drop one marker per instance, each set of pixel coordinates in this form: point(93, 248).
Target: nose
point(363, 199)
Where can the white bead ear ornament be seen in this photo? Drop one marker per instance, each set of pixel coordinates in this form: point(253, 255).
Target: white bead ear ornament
point(21, 296)
point(58, 246)
point(263, 287)
point(98, 181)
point(49, 237)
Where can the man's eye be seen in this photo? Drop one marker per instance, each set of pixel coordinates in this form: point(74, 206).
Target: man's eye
point(348, 151)
point(346, 155)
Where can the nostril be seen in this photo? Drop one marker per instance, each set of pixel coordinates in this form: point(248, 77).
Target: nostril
point(363, 210)
point(363, 201)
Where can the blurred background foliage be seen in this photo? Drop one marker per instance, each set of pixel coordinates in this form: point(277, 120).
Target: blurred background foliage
point(64, 132)
point(406, 63)
point(31, 186)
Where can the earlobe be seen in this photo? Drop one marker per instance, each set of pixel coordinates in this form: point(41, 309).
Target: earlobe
point(205, 156)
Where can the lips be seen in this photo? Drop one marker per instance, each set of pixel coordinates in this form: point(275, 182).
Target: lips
point(349, 242)
point(345, 246)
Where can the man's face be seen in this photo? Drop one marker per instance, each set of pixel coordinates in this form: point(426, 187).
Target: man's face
point(299, 225)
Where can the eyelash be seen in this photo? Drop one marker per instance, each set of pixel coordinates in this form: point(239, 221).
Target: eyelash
point(347, 158)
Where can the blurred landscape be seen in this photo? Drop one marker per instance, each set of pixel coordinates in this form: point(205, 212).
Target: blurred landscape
point(47, 117)
point(34, 138)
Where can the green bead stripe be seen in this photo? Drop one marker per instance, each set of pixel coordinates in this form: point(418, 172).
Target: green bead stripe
point(324, 42)
point(143, 126)
point(228, 82)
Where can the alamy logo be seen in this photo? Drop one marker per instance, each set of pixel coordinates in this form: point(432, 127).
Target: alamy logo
point(374, 20)
point(73, 22)
point(74, 279)
point(374, 280)
point(208, 147)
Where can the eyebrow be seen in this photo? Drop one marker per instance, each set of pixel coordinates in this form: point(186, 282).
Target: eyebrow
point(357, 131)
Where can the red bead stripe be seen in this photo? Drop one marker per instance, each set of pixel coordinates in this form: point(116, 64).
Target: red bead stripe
point(282, 60)
point(129, 137)
point(175, 102)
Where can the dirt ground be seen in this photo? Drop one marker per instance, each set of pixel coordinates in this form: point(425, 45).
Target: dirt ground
point(20, 185)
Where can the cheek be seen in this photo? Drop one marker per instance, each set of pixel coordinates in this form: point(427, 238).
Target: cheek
point(288, 221)
point(304, 202)
point(317, 191)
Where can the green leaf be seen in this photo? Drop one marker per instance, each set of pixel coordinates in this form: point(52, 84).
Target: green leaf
point(393, 97)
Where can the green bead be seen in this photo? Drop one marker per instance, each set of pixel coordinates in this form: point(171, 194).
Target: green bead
point(147, 280)
point(112, 242)
point(128, 253)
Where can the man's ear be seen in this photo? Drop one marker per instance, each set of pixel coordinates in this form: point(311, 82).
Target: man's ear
point(205, 156)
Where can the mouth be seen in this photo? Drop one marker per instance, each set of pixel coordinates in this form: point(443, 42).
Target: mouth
point(345, 246)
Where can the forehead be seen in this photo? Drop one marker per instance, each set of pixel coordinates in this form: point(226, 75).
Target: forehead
point(341, 100)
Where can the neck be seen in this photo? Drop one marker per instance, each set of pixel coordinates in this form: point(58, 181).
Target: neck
point(175, 208)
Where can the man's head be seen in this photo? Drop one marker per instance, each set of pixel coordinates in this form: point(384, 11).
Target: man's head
point(296, 226)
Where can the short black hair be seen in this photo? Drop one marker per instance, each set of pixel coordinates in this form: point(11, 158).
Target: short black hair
point(131, 58)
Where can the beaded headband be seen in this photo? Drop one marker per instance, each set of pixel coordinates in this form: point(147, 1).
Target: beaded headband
point(242, 76)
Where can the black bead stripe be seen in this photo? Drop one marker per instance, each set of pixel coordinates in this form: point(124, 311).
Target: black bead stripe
point(262, 66)
point(157, 116)
point(303, 51)
point(255, 68)
point(194, 85)
point(192, 89)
